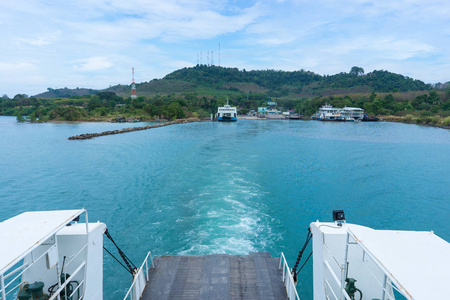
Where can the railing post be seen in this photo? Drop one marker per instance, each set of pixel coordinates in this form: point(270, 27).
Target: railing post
point(384, 287)
point(146, 269)
point(2, 287)
point(344, 269)
point(87, 250)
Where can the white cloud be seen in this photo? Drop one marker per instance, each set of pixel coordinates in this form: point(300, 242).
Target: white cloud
point(8, 67)
point(92, 64)
point(96, 42)
point(388, 48)
point(40, 40)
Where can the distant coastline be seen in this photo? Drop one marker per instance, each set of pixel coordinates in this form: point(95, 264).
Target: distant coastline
point(199, 91)
point(409, 119)
point(395, 119)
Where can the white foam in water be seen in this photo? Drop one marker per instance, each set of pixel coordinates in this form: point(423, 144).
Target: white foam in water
point(227, 219)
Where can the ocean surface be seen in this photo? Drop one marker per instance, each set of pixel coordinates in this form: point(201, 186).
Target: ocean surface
point(253, 185)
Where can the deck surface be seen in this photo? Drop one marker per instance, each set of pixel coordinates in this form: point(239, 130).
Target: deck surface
point(217, 276)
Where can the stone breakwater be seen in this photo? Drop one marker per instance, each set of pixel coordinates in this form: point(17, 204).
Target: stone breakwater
point(86, 136)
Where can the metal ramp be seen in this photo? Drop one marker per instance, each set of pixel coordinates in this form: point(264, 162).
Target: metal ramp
point(218, 276)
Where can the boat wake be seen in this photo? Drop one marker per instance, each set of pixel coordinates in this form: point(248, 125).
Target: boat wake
point(229, 219)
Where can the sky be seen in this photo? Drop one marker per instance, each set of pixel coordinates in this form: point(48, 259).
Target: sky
point(95, 43)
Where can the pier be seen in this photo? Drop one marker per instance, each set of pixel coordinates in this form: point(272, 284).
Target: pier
point(218, 276)
point(86, 136)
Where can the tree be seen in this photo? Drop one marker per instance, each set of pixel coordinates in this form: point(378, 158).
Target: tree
point(20, 96)
point(447, 93)
point(174, 111)
point(20, 118)
point(356, 71)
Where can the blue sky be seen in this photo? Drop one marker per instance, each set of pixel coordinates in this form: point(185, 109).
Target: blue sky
point(95, 43)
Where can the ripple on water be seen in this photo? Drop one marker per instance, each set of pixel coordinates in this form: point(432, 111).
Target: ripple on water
point(208, 187)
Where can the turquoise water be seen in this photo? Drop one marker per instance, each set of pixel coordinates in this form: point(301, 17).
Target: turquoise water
point(253, 185)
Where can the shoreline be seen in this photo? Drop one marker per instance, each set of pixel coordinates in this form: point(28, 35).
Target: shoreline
point(412, 121)
point(80, 121)
point(393, 119)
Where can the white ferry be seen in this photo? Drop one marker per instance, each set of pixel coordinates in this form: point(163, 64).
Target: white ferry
point(52, 255)
point(326, 113)
point(330, 113)
point(354, 113)
point(226, 113)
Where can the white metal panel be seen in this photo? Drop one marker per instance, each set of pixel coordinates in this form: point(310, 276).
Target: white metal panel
point(23, 233)
point(419, 262)
point(52, 258)
point(70, 241)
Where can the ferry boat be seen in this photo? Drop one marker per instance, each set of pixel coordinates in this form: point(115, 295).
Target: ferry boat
point(346, 114)
point(354, 113)
point(54, 255)
point(226, 113)
point(326, 113)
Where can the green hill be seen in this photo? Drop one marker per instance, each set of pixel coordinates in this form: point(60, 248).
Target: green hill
point(218, 81)
point(290, 84)
point(199, 90)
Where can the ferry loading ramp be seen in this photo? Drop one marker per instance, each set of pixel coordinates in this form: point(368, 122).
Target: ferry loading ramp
point(217, 276)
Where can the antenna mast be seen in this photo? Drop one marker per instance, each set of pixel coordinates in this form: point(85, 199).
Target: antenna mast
point(133, 85)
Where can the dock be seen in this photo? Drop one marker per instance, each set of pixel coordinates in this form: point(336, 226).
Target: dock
point(217, 276)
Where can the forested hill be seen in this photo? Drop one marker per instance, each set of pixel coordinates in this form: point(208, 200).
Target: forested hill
point(213, 80)
point(198, 92)
point(299, 82)
point(269, 79)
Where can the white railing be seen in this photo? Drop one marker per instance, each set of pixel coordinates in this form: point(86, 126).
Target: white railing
point(358, 256)
point(333, 284)
point(10, 287)
point(288, 281)
point(140, 280)
point(385, 284)
point(5, 284)
point(56, 295)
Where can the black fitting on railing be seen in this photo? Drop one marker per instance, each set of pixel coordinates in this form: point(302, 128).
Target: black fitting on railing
point(300, 254)
point(125, 258)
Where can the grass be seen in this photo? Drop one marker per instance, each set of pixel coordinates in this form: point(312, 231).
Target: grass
point(436, 120)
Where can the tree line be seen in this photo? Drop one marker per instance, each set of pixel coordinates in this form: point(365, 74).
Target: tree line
point(296, 81)
point(391, 94)
point(106, 105)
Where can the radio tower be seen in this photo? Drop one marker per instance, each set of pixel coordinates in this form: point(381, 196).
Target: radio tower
point(133, 86)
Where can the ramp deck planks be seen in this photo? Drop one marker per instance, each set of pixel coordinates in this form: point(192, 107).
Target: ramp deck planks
point(216, 276)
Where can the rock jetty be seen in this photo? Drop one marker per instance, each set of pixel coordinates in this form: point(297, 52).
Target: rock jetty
point(86, 136)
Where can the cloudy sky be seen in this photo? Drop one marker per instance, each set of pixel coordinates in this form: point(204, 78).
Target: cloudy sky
point(95, 43)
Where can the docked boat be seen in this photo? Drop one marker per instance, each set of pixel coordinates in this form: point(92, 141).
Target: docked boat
point(226, 113)
point(326, 113)
point(368, 118)
point(54, 255)
point(346, 114)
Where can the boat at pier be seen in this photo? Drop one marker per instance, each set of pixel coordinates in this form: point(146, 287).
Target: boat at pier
point(54, 255)
point(226, 113)
point(346, 114)
point(351, 113)
point(368, 118)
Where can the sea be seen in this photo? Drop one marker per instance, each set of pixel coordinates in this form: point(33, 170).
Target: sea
point(235, 188)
